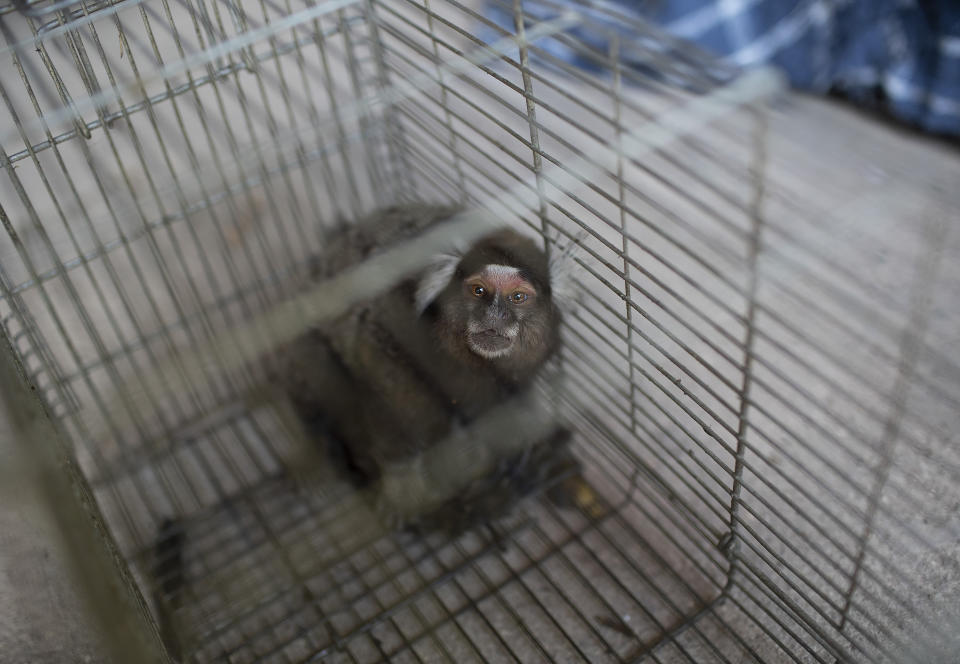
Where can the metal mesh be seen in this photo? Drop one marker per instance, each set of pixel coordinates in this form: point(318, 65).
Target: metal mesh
point(762, 405)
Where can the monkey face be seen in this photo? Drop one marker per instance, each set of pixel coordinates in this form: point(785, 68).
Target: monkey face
point(493, 305)
point(497, 300)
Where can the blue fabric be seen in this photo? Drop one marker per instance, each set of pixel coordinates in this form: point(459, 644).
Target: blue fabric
point(901, 55)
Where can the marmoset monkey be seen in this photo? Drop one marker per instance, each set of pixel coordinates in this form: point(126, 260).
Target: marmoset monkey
point(427, 390)
point(428, 396)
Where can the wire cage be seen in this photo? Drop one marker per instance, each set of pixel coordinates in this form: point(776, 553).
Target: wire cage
point(761, 404)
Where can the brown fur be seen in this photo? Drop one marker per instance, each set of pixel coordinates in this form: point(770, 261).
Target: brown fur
point(385, 383)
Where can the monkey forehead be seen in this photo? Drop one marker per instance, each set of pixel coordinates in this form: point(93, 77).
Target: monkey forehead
point(500, 271)
point(502, 277)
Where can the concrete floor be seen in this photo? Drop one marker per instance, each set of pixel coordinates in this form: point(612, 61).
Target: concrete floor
point(42, 618)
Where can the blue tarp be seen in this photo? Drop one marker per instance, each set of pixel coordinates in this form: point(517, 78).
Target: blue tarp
point(902, 56)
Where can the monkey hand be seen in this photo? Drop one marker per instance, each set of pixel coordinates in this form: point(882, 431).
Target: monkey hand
point(417, 486)
point(405, 492)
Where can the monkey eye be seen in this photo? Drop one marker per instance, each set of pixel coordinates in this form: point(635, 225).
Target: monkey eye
point(518, 297)
point(479, 291)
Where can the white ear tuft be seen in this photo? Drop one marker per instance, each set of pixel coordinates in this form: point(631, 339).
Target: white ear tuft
point(564, 272)
point(435, 278)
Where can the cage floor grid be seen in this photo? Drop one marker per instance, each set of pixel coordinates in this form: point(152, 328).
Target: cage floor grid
point(280, 570)
point(763, 369)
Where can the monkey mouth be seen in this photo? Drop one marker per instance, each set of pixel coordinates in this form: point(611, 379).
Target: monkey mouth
point(489, 343)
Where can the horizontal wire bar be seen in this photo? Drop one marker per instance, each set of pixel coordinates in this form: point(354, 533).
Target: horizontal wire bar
point(767, 363)
point(247, 184)
point(172, 92)
point(74, 24)
point(781, 561)
point(767, 555)
point(593, 82)
point(767, 504)
point(646, 579)
point(794, 239)
point(609, 170)
point(350, 554)
point(635, 284)
point(669, 535)
point(832, 641)
point(659, 491)
point(208, 56)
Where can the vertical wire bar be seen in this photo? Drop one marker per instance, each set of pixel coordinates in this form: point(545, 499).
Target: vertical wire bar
point(925, 275)
point(531, 115)
point(428, 630)
point(239, 16)
point(445, 102)
point(84, 315)
point(337, 112)
point(65, 96)
point(263, 519)
point(93, 231)
point(201, 17)
point(69, 227)
point(273, 129)
point(314, 116)
point(35, 339)
point(345, 557)
point(519, 577)
point(434, 587)
point(169, 490)
point(256, 147)
point(94, 391)
point(226, 255)
point(310, 238)
point(167, 273)
point(155, 121)
point(617, 93)
point(396, 139)
point(234, 150)
point(61, 328)
point(729, 543)
point(650, 497)
point(539, 564)
point(365, 120)
point(82, 63)
point(213, 476)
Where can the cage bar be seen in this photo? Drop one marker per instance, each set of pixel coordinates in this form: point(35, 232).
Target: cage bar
point(752, 411)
